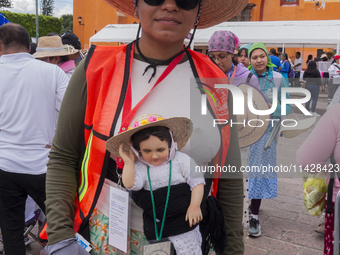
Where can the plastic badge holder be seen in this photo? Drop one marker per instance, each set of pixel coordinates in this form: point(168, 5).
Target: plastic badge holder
point(163, 247)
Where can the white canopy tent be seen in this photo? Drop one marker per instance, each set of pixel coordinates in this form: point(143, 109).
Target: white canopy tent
point(292, 34)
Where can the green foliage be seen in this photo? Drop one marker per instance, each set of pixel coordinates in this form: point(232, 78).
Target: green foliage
point(47, 7)
point(5, 4)
point(67, 23)
point(47, 24)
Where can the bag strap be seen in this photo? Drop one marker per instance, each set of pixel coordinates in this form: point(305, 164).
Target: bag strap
point(249, 77)
point(330, 188)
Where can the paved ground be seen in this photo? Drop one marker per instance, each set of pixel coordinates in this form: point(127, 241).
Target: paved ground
point(286, 226)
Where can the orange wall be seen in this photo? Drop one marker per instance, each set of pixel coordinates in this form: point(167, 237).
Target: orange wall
point(272, 11)
point(95, 16)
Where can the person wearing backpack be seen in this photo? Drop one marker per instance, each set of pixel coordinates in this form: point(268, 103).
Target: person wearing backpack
point(312, 78)
point(334, 77)
point(320, 145)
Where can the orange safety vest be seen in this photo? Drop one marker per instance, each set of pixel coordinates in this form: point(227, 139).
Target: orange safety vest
point(107, 78)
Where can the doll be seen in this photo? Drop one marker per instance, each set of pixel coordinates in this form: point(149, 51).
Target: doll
point(176, 209)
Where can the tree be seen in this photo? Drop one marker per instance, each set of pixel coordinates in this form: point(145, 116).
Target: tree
point(67, 23)
point(47, 7)
point(5, 4)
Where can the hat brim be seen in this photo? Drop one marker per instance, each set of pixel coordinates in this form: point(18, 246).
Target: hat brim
point(180, 127)
point(213, 11)
point(302, 126)
point(43, 54)
point(249, 134)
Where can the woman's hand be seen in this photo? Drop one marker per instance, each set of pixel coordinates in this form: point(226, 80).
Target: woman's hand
point(194, 215)
point(128, 157)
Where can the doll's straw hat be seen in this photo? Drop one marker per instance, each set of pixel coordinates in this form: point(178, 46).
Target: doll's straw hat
point(255, 125)
point(180, 127)
point(51, 46)
point(213, 11)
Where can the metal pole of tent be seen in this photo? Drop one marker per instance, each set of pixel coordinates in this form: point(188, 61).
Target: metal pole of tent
point(283, 48)
point(338, 46)
point(303, 52)
point(336, 223)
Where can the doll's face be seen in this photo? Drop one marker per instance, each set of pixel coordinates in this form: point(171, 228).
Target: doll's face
point(154, 150)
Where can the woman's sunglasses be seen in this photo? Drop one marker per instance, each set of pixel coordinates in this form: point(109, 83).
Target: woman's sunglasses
point(183, 4)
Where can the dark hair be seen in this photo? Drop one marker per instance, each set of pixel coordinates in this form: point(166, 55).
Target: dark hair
point(311, 68)
point(159, 131)
point(299, 53)
point(52, 34)
point(242, 49)
point(273, 51)
point(33, 48)
point(64, 59)
point(285, 55)
point(14, 36)
point(309, 58)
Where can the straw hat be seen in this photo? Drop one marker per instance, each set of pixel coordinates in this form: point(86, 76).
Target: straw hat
point(302, 126)
point(180, 127)
point(50, 46)
point(247, 135)
point(213, 11)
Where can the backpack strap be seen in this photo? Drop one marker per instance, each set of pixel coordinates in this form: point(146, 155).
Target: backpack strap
point(330, 188)
point(249, 77)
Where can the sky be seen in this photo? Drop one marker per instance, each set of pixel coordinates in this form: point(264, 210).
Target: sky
point(28, 6)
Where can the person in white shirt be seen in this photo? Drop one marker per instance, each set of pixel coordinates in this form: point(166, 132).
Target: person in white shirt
point(29, 89)
point(334, 81)
point(297, 69)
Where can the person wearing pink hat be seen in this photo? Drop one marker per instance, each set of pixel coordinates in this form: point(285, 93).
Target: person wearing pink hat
point(222, 45)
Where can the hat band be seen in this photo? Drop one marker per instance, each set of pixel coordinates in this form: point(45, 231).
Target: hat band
point(45, 49)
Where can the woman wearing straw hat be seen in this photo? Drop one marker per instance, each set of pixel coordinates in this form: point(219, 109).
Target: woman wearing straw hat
point(51, 50)
point(263, 185)
point(103, 100)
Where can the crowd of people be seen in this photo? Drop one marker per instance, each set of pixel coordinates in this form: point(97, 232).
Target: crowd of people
point(127, 121)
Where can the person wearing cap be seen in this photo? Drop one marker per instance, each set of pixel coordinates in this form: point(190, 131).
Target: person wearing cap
point(51, 50)
point(72, 39)
point(243, 54)
point(334, 79)
point(28, 91)
point(275, 59)
point(263, 185)
point(102, 102)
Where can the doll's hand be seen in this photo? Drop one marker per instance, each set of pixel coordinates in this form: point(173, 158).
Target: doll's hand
point(194, 215)
point(128, 157)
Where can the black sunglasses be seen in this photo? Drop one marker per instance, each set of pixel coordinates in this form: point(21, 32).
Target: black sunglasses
point(183, 4)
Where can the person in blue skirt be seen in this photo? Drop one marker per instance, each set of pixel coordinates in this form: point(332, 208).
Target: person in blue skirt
point(263, 184)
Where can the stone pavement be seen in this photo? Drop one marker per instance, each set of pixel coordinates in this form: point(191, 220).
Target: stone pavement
point(286, 226)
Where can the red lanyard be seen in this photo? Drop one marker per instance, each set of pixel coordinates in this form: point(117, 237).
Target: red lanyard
point(128, 114)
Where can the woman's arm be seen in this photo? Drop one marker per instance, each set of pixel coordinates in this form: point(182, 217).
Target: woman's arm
point(321, 143)
point(65, 157)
